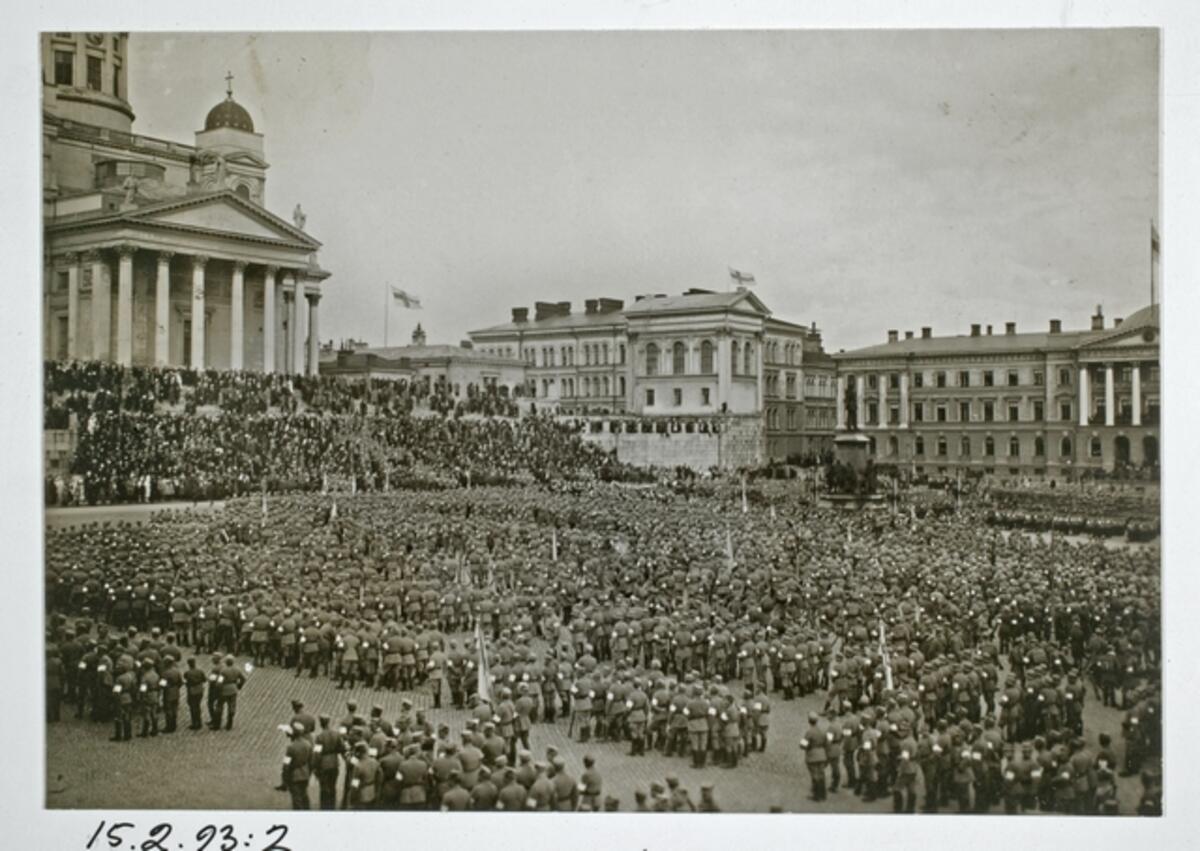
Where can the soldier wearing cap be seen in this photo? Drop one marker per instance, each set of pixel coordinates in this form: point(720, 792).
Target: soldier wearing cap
point(590, 784)
point(171, 683)
point(696, 711)
point(414, 776)
point(814, 744)
point(231, 680)
point(214, 691)
point(365, 778)
point(123, 688)
point(148, 698)
point(679, 799)
point(582, 697)
point(524, 708)
point(327, 747)
point(297, 766)
point(566, 793)
point(707, 803)
point(455, 798)
point(637, 704)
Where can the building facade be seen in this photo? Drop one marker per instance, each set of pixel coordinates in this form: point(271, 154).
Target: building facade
point(453, 368)
point(158, 252)
point(1046, 404)
point(698, 363)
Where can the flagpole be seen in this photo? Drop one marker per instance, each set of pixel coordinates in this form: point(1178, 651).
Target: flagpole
point(386, 313)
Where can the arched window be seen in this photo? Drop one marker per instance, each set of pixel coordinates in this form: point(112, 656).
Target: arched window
point(621, 384)
point(733, 357)
point(678, 358)
point(942, 450)
point(919, 446)
point(747, 355)
point(989, 447)
point(964, 448)
point(893, 445)
point(606, 385)
point(1039, 447)
point(651, 359)
point(1014, 447)
point(1064, 448)
point(706, 357)
point(1097, 448)
point(243, 191)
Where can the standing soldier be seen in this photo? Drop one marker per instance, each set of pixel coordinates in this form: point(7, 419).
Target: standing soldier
point(297, 766)
point(436, 666)
point(524, 707)
point(696, 712)
point(123, 689)
point(590, 784)
point(636, 704)
point(310, 650)
point(148, 695)
point(814, 746)
point(170, 683)
point(180, 611)
point(582, 695)
point(326, 750)
point(364, 779)
point(194, 679)
point(214, 692)
point(231, 681)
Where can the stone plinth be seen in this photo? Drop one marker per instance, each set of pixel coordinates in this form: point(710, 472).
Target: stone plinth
point(852, 448)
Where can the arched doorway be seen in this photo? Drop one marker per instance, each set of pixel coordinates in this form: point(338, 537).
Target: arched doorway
point(1121, 449)
point(1150, 450)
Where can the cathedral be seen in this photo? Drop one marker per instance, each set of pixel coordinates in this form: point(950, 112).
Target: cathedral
point(158, 252)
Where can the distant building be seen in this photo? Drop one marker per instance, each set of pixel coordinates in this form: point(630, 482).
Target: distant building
point(159, 252)
point(453, 368)
point(703, 362)
point(1051, 403)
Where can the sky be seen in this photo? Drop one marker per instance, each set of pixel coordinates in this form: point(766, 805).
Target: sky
point(869, 180)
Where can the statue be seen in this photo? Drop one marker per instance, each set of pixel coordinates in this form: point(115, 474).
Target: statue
point(130, 185)
point(222, 176)
point(851, 403)
point(298, 217)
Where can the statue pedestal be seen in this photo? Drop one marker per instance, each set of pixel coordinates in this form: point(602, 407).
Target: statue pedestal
point(852, 448)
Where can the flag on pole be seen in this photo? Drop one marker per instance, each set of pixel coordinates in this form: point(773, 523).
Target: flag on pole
point(407, 299)
point(887, 659)
point(745, 505)
point(772, 512)
point(729, 547)
point(483, 686)
point(742, 278)
point(554, 543)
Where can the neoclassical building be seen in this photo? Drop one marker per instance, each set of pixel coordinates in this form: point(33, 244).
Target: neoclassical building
point(1049, 403)
point(158, 252)
point(698, 362)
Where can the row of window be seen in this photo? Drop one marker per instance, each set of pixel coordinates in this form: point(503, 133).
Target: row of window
point(986, 412)
point(988, 447)
point(594, 354)
point(677, 397)
point(1122, 374)
point(64, 72)
point(585, 387)
point(741, 358)
point(814, 418)
point(792, 353)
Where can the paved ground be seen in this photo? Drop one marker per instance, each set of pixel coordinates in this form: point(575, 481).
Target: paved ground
point(237, 769)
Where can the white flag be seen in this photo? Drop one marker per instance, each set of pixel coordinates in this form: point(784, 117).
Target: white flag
point(407, 299)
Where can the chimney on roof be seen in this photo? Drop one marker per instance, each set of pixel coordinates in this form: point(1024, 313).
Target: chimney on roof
point(1098, 319)
point(893, 336)
point(520, 314)
point(1117, 322)
point(564, 308)
point(908, 335)
point(1055, 326)
point(1010, 328)
point(926, 333)
point(418, 335)
point(465, 344)
point(590, 306)
point(609, 305)
point(975, 327)
point(989, 330)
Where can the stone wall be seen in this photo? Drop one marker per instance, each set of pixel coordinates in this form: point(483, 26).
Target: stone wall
point(740, 442)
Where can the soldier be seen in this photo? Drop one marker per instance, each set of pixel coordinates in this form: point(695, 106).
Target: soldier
point(590, 784)
point(214, 691)
point(566, 793)
point(524, 708)
point(436, 671)
point(814, 744)
point(171, 683)
point(680, 800)
point(582, 696)
point(512, 795)
point(696, 712)
point(414, 776)
point(194, 680)
point(365, 779)
point(123, 689)
point(231, 680)
point(148, 696)
point(54, 684)
point(297, 766)
point(707, 803)
point(636, 704)
point(326, 749)
point(303, 718)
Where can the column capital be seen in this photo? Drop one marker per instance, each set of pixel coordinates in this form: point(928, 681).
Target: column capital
point(126, 249)
point(165, 256)
point(200, 260)
point(92, 255)
point(314, 298)
point(69, 258)
point(272, 270)
point(239, 265)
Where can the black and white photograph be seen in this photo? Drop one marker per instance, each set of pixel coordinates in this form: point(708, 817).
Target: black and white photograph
point(689, 421)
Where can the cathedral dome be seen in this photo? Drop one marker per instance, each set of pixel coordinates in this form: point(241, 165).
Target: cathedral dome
point(229, 113)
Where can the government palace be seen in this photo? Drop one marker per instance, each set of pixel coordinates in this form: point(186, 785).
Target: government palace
point(164, 253)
